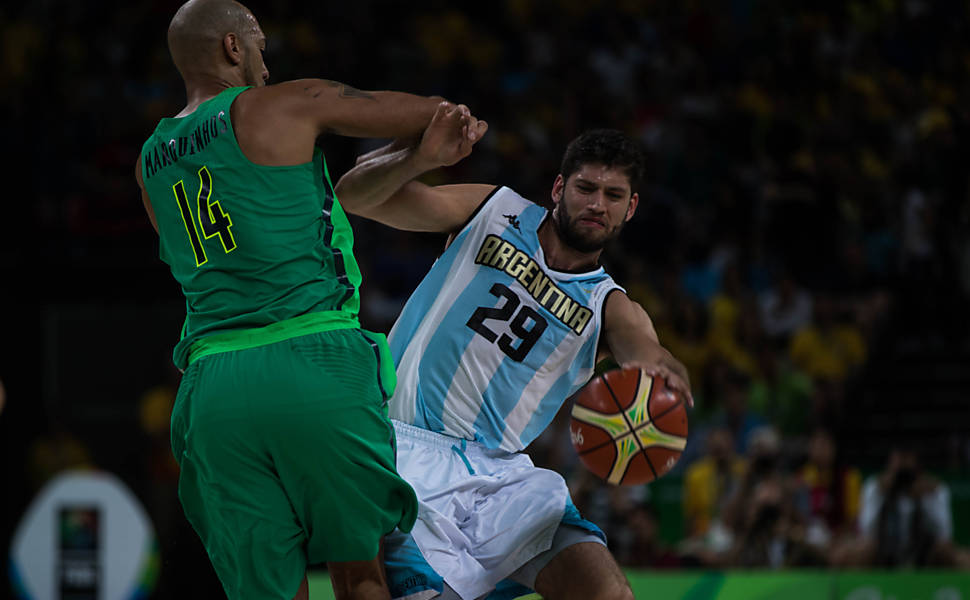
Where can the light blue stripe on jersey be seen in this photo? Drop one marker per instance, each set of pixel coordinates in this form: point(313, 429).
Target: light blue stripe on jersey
point(564, 387)
point(443, 355)
point(413, 312)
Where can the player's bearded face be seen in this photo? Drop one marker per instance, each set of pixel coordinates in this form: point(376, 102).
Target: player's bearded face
point(595, 204)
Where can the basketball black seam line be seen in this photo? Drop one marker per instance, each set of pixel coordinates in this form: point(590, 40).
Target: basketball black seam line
point(649, 464)
point(609, 389)
point(629, 425)
point(652, 418)
point(599, 412)
point(612, 439)
point(633, 432)
point(643, 450)
point(660, 416)
point(636, 438)
point(603, 445)
point(626, 419)
point(645, 455)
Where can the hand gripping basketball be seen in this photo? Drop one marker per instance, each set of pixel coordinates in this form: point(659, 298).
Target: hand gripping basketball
point(628, 427)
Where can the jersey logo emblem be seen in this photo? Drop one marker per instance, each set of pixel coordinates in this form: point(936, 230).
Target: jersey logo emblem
point(513, 221)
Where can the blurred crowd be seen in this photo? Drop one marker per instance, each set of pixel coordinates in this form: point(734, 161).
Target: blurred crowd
point(757, 510)
point(806, 212)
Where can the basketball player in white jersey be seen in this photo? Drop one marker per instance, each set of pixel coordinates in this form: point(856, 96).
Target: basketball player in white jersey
point(508, 323)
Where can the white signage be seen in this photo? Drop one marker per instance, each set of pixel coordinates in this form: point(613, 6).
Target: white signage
point(84, 537)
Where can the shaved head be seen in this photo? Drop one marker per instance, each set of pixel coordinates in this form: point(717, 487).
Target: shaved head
point(198, 29)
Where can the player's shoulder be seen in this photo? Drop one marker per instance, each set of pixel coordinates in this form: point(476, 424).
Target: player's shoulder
point(507, 194)
point(483, 201)
point(504, 198)
point(294, 97)
point(618, 307)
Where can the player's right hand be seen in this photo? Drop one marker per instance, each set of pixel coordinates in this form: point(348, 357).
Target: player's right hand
point(450, 135)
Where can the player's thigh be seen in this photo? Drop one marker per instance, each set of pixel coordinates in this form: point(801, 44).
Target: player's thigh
point(333, 447)
point(230, 492)
point(584, 571)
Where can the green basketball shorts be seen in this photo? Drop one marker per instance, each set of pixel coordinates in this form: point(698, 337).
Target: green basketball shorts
point(287, 459)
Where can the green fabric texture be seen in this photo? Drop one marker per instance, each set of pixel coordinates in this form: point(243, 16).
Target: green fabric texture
point(287, 459)
point(250, 245)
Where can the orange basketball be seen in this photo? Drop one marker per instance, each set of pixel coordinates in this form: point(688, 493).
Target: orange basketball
point(628, 427)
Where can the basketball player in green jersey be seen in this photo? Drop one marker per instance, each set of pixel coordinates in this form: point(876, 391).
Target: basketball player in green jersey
point(279, 427)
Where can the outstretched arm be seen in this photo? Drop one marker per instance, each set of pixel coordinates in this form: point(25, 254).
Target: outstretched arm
point(339, 108)
point(279, 125)
point(380, 186)
point(632, 340)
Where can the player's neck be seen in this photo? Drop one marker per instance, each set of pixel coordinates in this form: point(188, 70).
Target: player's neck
point(202, 88)
point(562, 257)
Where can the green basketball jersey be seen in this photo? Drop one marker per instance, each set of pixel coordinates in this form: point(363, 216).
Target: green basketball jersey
point(250, 245)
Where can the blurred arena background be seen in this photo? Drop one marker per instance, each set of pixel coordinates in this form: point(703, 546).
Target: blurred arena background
point(803, 245)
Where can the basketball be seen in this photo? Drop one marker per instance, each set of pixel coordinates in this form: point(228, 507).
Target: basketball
point(628, 427)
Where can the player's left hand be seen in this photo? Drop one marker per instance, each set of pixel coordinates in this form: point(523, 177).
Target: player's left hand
point(663, 364)
point(450, 135)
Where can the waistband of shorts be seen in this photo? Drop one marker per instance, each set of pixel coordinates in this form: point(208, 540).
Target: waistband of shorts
point(315, 322)
point(444, 441)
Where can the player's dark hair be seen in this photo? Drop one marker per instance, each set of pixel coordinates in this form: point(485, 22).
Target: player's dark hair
point(608, 147)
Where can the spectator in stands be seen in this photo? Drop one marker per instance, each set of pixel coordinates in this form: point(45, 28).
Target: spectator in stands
point(905, 519)
point(906, 514)
point(685, 335)
point(770, 534)
point(828, 491)
point(784, 309)
point(709, 482)
point(763, 462)
point(729, 390)
point(781, 393)
point(735, 332)
point(829, 347)
point(643, 547)
point(719, 546)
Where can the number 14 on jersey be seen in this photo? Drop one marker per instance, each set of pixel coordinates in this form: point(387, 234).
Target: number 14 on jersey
point(211, 219)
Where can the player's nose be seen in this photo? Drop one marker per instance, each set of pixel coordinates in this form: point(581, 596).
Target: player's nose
point(597, 201)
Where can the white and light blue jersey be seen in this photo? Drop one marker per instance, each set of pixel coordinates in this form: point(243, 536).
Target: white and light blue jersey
point(493, 341)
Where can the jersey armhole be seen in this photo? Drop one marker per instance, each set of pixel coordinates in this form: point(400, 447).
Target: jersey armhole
point(599, 333)
point(471, 217)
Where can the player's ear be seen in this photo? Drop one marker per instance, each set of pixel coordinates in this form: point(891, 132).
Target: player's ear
point(230, 45)
point(634, 201)
point(557, 187)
